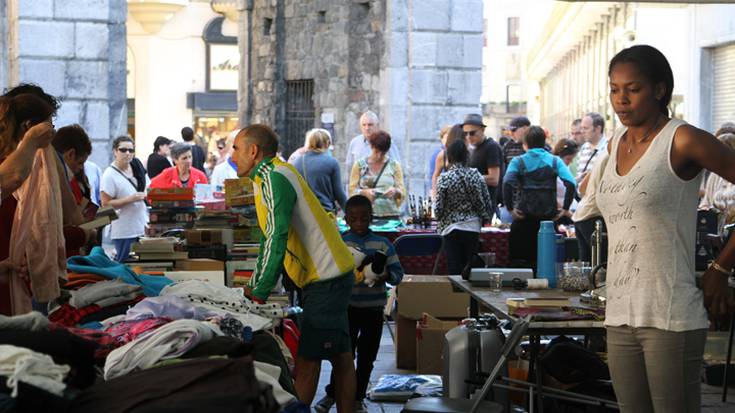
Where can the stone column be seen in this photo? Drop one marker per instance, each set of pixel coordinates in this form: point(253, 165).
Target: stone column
point(431, 74)
point(76, 51)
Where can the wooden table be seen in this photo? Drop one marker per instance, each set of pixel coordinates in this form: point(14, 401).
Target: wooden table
point(496, 303)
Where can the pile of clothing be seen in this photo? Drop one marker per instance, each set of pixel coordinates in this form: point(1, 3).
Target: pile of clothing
point(121, 342)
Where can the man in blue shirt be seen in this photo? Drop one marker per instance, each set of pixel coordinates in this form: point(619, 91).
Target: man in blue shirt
point(529, 191)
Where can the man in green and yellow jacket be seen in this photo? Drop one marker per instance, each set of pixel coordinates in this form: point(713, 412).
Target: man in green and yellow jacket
point(300, 237)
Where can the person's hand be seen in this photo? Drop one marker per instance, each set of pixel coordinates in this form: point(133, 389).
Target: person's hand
point(138, 196)
point(563, 213)
point(517, 214)
point(40, 135)
point(6, 268)
point(718, 298)
point(390, 193)
point(369, 193)
point(90, 235)
point(249, 295)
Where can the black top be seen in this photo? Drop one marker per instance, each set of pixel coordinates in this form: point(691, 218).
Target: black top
point(156, 164)
point(487, 155)
point(197, 157)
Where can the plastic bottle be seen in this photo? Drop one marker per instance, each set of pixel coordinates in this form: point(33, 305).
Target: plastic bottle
point(546, 257)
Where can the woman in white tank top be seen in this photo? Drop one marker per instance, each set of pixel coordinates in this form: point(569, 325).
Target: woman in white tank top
point(656, 316)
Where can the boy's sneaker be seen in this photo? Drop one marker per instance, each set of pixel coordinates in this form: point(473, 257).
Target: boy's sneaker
point(360, 407)
point(323, 405)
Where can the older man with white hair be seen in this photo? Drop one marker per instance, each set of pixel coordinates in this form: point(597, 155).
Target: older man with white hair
point(228, 168)
point(359, 146)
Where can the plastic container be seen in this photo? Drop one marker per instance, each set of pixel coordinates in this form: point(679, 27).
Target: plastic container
point(573, 276)
point(546, 257)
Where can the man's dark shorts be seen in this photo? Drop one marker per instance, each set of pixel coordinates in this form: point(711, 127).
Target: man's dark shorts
point(325, 331)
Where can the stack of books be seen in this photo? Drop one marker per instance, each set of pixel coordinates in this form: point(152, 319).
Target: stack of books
point(157, 254)
point(239, 192)
point(170, 208)
point(244, 257)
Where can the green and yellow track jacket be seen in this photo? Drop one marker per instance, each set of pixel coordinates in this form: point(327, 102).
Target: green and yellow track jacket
point(297, 232)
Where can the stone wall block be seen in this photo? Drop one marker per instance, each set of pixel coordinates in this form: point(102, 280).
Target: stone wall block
point(423, 49)
point(117, 55)
point(36, 9)
point(430, 15)
point(449, 50)
point(101, 153)
point(45, 39)
point(397, 15)
point(91, 40)
point(69, 113)
point(472, 50)
point(87, 80)
point(118, 12)
point(82, 9)
point(97, 120)
point(464, 87)
point(397, 49)
point(49, 74)
point(466, 16)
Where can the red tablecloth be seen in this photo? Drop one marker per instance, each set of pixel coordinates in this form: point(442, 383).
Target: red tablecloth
point(491, 241)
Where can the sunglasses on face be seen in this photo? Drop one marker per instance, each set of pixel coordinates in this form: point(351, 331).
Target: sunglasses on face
point(220, 147)
point(126, 150)
point(470, 133)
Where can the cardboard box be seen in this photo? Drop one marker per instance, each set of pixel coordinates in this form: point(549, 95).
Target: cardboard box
point(430, 333)
point(405, 343)
point(419, 294)
point(200, 264)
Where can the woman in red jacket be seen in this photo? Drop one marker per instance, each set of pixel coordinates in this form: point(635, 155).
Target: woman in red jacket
point(183, 175)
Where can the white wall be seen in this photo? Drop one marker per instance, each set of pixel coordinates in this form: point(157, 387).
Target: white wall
point(168, 65)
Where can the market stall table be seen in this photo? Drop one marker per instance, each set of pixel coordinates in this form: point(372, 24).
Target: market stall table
point(496, 303)
point(492, 239)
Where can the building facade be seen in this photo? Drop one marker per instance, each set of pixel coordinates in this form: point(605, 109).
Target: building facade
point(510, 30)
point(570, 57)
point(183, 70)
point(75, 50)
point(322, 63)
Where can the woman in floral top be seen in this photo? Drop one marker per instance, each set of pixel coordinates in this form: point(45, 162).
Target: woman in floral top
point(462, 204)
point(379, 178)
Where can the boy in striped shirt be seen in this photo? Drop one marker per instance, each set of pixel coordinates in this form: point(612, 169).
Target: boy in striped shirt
point(365, 311)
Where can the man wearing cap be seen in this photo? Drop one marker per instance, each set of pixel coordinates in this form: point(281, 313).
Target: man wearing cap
point(485, 154)
point(517, 127)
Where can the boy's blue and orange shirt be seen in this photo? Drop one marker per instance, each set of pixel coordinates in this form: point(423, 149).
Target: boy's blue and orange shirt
point(364, 296)
point(297, 233)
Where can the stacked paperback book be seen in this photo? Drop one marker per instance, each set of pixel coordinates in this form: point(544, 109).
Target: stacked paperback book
point(170, 208)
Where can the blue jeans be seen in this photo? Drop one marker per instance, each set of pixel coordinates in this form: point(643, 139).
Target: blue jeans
point(122, 248)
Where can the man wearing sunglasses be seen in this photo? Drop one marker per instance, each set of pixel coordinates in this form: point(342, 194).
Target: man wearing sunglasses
point(485, 154)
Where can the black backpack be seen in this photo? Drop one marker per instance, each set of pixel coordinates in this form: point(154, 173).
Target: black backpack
point(537, 192)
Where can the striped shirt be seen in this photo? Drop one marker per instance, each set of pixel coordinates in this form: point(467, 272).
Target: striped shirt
point(588, 156)
point(364, 296)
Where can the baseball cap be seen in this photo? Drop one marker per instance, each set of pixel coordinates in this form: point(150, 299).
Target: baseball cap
point(473, 119)
point(518, 122)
